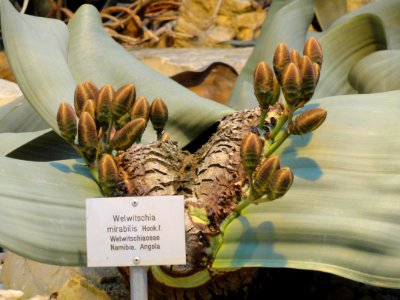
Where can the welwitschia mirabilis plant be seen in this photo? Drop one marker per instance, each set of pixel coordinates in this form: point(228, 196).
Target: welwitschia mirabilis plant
point(343, 202)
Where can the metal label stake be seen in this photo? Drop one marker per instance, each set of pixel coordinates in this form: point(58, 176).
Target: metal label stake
point(138, 281)
point(137, 232)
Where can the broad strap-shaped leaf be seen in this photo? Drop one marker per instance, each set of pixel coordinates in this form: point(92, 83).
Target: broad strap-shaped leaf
point(19, 116)
point(329, 11)
point(343, 46)
point(377, 72)
point(342, 214)
point(45, 77)
point(94, 55)
point(24, 134)
point(37, 50)
point(45, 145)
point(43, 209)
point(11, 141)
point(287, 24)
point(388, 11)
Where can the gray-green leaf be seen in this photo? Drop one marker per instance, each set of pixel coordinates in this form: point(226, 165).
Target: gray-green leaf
point(342, 214)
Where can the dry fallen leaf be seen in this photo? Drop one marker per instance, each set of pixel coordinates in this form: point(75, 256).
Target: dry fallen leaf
point(214, 82)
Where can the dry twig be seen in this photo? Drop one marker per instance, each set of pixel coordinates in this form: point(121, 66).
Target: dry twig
point(142, 23)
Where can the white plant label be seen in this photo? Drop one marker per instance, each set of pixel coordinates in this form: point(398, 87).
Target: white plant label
point(135, 231)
